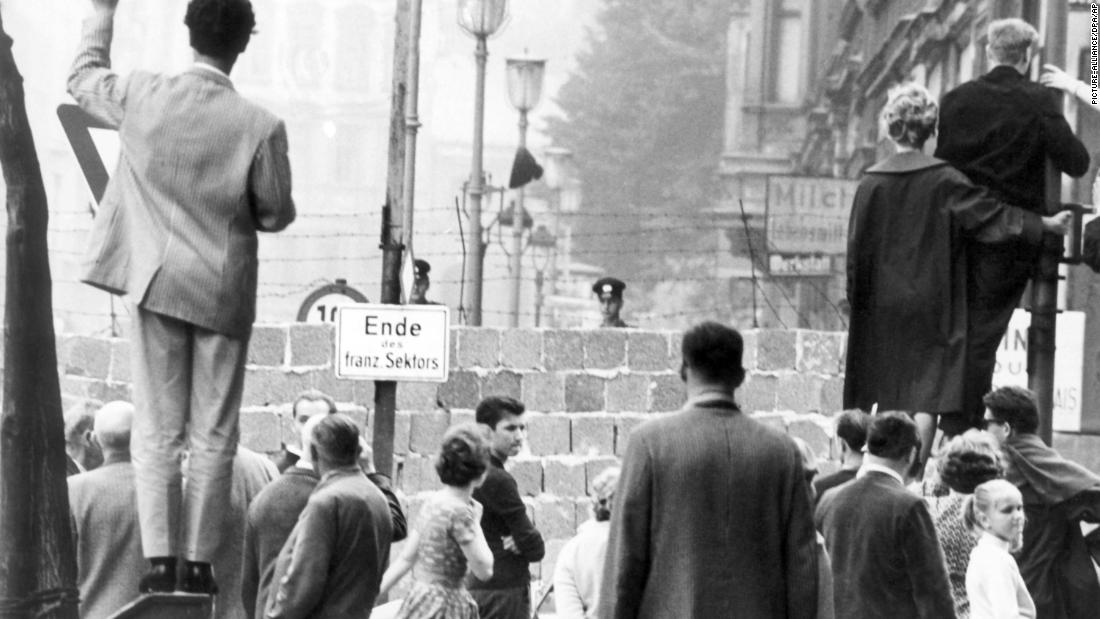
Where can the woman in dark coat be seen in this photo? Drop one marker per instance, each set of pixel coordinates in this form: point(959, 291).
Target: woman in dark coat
point(907, 269)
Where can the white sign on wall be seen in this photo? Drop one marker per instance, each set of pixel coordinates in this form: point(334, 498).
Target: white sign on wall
point(1069, 357)
point(393, 342)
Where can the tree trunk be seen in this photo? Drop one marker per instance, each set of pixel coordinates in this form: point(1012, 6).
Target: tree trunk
point(37, 564)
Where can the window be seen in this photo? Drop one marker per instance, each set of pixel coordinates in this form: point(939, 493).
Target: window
point(787, 51)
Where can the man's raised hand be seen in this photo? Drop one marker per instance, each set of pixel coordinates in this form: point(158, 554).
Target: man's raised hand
point(1058, 224)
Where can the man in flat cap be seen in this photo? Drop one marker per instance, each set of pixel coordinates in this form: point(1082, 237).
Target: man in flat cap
point(610, 293)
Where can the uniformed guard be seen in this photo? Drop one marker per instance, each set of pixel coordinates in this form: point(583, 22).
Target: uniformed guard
point(421, 283)
point(609, 290)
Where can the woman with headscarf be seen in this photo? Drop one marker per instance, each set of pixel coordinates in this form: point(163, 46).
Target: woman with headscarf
point(907, 269)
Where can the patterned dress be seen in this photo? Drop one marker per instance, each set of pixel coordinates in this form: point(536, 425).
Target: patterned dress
point(957, 541)
point(444, 523)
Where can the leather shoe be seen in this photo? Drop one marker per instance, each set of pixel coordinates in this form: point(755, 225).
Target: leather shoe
point(197, 577)
point(161, 577)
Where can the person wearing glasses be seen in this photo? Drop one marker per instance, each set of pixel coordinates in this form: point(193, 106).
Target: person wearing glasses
point(1058, 496)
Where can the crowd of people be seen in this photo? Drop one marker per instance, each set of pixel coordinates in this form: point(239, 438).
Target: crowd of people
point(711, 513)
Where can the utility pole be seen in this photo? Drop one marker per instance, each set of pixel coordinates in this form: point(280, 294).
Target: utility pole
point(37, 562)
point(1044, 298)
point(385, 391)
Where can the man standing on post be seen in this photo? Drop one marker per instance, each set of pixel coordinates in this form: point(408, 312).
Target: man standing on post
point(200, 170)
point(712, 517)
point(887, 560)
point(513, 539)
point(999, 130)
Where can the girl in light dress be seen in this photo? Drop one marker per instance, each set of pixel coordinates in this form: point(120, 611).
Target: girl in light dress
point(993, 582)
point(447, 538)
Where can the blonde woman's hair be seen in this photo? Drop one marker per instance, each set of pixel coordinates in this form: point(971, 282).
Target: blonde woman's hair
point(985, 498)
point(910, 114)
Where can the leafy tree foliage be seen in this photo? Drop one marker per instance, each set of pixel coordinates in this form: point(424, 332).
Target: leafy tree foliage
point(643, 114)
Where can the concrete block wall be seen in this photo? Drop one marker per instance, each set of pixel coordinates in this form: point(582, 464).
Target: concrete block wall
point(585, 391)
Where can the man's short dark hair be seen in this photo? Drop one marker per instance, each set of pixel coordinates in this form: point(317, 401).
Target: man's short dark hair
point(337, 438)
point(1015, 406)
point(220, 28)
point(892, 435)
point(851, 427)
point(493, 408)
point(713, 351)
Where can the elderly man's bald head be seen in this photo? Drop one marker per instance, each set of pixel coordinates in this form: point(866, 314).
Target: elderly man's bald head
point(112, 425)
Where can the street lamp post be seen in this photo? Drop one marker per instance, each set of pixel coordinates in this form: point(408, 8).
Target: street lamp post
point(480, 19)
point(543, 244)
point(524, 89)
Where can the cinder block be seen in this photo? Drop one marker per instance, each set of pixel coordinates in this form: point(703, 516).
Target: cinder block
point(776, 349)
point(627, 393)
point(81, 355)
point(800, 393)
point(503, 383)
point(774, 419)
point(417, 396)
point(462, 389)
point(267, 346)
point(462, 416)
point(363, 391)
point(564, 476)
point(264, 386)
point(521, 349)
point(426, 430)
point(812, 429)
point(584, 393)
point(593, 434)
point(748, 355)
point(341, 389)
point(76, 387)
point(605, 349)
point(527, 473)
point(675, 343)
point(666, 393)
point(624, 425)
point(402, 432)
point(107, 391)
point(647, 351)
point(832, 395)
point(120, 361)
point(563, 349)
point(758, 393)
point(556, 517)
point(548, 434)
point(543, 391)
point(358, 414)
point(595, 466)
point(311, 344)
point(478, 347)
point(818, 352)
point(418, 475)
point(261, 430)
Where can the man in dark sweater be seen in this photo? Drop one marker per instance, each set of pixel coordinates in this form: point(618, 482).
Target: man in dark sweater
point(275, 510)
point(1000, 130)
point(887, 561)
point(512, 537)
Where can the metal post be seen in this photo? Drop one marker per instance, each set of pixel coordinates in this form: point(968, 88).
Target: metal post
point(538, 297)
point(519, 214)
point(412, 124)
point(1044, 300)
point(477, 186)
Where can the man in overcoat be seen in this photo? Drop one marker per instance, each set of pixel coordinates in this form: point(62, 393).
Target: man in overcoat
point(1000, 129)
point(887, 560)
point(712, 517)
point(200, 170)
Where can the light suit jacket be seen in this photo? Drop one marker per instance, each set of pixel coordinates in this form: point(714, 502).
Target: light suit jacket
point(200, 170)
